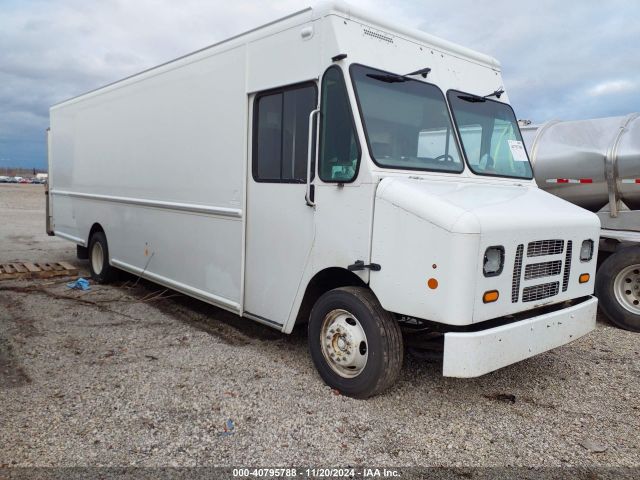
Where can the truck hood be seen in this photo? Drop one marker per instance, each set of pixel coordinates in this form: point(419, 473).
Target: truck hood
point(478, 208)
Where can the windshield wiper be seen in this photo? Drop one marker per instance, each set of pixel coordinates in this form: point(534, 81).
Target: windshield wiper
point(472, 98)
point(477, 99)
point(391, 78)
point(498, 93)
point(388, 78)
point(423, 71)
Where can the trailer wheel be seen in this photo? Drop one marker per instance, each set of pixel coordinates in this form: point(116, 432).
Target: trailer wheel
point(101, 271)
point(618, 288)
point(355, 344)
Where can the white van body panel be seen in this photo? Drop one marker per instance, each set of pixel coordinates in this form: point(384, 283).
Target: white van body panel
point(116, 162)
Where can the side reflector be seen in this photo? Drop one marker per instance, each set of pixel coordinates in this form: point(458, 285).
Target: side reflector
point(432, 283)
point(490, 296)
point(584, 278)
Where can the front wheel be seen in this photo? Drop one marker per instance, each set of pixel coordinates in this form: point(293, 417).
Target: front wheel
point(618, 288)
point(355, 344)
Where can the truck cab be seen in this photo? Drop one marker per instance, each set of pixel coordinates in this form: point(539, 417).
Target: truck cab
point(455, 236)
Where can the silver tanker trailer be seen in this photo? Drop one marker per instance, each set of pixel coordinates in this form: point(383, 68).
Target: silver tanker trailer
point(596, 165)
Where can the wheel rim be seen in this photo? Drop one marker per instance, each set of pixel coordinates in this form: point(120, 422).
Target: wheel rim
point(97, 258)
point(344, 343)
point(626, 287)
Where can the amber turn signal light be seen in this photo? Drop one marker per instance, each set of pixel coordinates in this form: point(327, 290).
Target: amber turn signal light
point(490, 296)
point(584, 278)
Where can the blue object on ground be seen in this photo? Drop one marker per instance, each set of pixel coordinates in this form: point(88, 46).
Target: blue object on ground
point(229, 428)
point(79, 284)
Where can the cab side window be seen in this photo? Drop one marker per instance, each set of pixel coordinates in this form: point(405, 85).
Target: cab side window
point(281, 133)
point(339, 156)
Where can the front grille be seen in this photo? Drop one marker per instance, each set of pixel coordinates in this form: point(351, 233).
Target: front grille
point(545, 247)
point(544, 269)
point(533, 267)
point(538, 292)
point(517, 271)
point(567, 266)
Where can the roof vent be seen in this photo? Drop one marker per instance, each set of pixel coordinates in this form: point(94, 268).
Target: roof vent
point(378, 35)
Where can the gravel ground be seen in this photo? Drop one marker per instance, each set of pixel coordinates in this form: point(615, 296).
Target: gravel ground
point(130, 374)
point(22, 227)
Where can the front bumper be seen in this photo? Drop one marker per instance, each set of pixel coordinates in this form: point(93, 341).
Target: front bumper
point(471, 354)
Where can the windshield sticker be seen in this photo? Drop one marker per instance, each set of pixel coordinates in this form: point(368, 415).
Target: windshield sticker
point(517, 151)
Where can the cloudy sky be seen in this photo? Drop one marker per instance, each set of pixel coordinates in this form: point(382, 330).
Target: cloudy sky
point(560, 59)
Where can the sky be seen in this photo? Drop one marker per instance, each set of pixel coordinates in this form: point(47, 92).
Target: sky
point(560, 59)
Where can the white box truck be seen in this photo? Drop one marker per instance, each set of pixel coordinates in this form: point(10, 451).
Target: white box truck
point(334, 169)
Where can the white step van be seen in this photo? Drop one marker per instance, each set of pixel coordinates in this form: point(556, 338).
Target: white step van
point(335, 169)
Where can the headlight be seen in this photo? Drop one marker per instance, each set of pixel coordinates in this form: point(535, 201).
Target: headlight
point(493, 261)
point(586, 250)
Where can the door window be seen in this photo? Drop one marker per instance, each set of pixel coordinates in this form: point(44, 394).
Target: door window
point(281, 133)
point(339, 147)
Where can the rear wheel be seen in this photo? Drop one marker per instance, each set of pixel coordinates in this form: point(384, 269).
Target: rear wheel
point(618, 288)
point(101, 271)
point(355, 344)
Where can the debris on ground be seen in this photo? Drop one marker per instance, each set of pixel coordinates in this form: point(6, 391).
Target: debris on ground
point(79, 284)
point(26, 270)
point(229, 428)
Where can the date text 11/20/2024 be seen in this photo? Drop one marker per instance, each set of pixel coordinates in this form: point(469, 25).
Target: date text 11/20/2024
point(316, 473)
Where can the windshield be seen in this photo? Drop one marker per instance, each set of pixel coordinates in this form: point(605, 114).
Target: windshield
point(490, 136)
point(406, 121)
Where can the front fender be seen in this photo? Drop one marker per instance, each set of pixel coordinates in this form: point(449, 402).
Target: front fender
point(412, 250)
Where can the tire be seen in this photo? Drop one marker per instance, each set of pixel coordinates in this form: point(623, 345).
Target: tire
point(618, 288)
point(340, 321)
point(101, 270)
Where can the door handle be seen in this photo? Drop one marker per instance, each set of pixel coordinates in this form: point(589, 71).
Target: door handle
point(360, 265)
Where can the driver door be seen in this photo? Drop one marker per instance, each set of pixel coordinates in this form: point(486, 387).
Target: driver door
point(280, 224)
